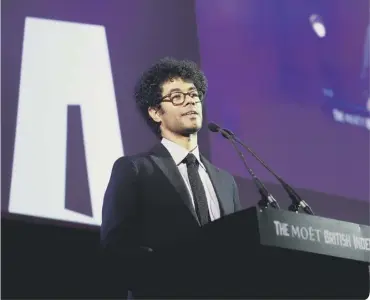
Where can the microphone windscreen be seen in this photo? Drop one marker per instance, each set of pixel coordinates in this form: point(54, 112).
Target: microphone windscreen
point(213, 127)
point(229, 132)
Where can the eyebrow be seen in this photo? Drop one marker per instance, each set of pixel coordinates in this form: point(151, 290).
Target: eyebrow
point(179, 90)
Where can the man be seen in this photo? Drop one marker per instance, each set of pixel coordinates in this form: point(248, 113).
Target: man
point(156, 200)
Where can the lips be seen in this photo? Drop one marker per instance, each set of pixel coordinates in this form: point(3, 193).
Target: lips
point(190, 113)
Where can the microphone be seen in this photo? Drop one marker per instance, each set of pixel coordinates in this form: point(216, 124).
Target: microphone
point(297, 201)
point(267, 198)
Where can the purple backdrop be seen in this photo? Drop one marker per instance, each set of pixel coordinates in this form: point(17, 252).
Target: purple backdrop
point(138, 34)
point(266, 69)
point(270, 76)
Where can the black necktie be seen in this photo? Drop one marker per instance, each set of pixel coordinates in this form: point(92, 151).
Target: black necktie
point(199, 195)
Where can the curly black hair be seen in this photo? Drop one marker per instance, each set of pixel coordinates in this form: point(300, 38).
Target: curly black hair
point(148, 91)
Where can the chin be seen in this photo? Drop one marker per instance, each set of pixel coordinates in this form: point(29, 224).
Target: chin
point(191, 130)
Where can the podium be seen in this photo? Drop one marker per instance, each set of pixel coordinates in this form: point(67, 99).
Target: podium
point(267, 254)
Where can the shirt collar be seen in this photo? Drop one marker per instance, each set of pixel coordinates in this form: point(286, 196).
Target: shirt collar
point(178, 152)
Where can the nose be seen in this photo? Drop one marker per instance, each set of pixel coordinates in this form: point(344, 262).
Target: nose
point(190, 100)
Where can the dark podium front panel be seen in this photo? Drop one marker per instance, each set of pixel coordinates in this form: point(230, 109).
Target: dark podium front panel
point(266, 254)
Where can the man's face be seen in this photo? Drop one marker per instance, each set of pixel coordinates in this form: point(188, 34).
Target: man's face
point(182, 118)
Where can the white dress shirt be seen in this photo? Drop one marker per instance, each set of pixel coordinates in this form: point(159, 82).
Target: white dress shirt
point(178, 154)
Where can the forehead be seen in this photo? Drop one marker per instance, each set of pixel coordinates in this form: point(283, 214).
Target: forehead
point(177, 84)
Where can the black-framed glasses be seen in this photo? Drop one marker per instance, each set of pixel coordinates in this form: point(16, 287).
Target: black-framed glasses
point(178, 98)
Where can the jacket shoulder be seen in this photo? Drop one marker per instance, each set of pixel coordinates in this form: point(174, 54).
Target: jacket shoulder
point(136, 161)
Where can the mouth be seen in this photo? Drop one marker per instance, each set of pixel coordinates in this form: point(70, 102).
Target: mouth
point(191, 113)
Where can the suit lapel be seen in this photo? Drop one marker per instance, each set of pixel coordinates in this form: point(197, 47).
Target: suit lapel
point(163, 159)
point(218, 185)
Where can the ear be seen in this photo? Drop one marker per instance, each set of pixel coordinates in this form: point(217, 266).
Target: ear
point(155, 114)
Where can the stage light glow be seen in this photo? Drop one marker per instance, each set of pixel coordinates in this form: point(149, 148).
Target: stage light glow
point(318, 25)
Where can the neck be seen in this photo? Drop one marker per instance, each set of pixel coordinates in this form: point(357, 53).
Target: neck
point(187, 142)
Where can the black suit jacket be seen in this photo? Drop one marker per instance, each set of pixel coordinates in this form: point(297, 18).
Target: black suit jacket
point(147, 204)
